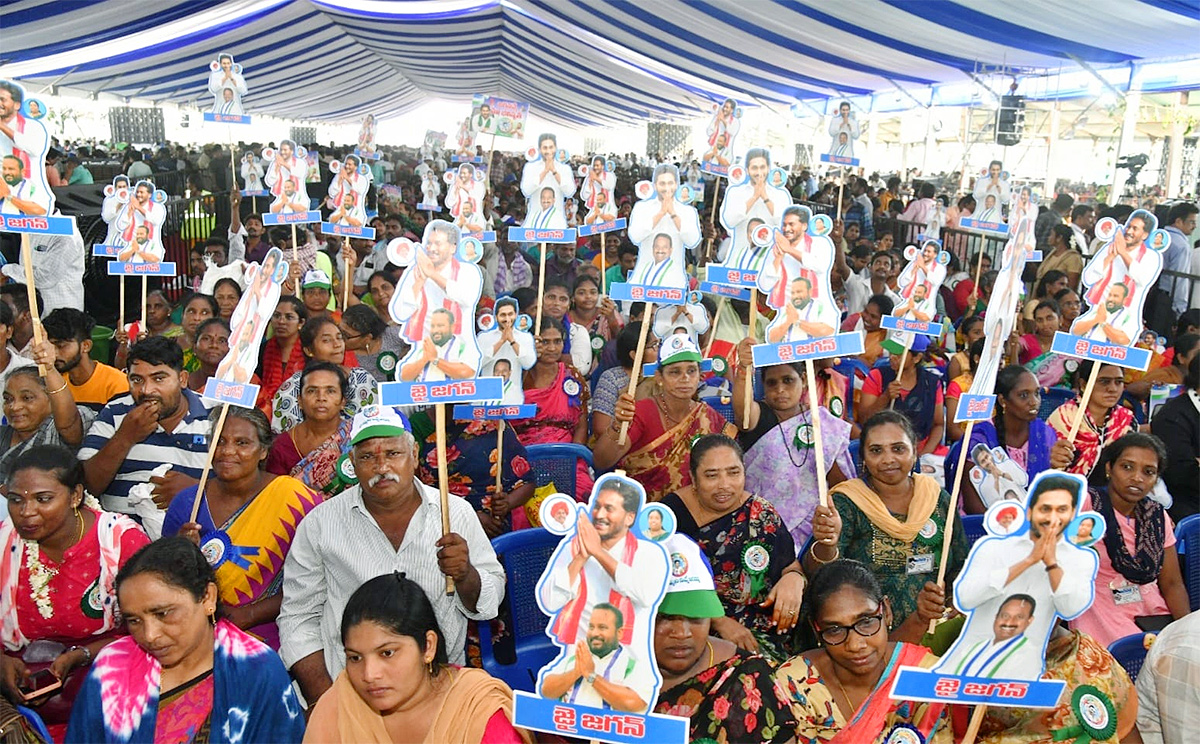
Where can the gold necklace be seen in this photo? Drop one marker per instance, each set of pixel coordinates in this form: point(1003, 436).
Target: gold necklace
point(79, 516)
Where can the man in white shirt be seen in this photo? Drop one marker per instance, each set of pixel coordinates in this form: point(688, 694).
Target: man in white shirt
point(441, 355)
point(19, 195)
point(548, 215)
point(504, 342)
point(1112, 321)
point(547, 171)
point(1168, 686)
point(389, 522)
point(437, 280)
point(1009, 651)
point(802, 318)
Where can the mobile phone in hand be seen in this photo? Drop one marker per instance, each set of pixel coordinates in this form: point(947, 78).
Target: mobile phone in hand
point(39, 684)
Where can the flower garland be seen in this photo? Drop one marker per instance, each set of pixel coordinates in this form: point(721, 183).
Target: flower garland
point(39, 579)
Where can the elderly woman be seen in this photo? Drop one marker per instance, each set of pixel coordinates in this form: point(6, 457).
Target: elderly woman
point(309, 451)
point(560, 393)
point(228, 293)
point(841, 691)
point(322, 341)
point(283, 353)
point(781, 464)
point(914, 391)
point(1139, 567)
point(398, 685)
point(39, 410)
point(212, 344)
point(57, 579)
point(245, 522)
point(657, 450)
point(184, 670)
point(1029, 442)
point(748, 545)
point(894, 522)
point(1104, 422)
point(726, 693)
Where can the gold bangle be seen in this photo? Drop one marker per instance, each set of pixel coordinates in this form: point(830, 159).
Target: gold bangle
point(55, 392)
point(812, 551)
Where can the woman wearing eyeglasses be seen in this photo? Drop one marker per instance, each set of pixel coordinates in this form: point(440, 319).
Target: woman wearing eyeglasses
point(561, 394)
point(839, 692)
point(1106, 419)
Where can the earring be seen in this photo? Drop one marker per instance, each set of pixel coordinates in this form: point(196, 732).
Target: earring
point(212, 616)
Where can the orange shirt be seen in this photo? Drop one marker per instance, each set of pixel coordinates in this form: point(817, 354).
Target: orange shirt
point(105, 384)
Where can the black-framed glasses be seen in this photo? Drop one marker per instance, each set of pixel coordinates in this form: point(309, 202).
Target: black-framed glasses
point(836, 635)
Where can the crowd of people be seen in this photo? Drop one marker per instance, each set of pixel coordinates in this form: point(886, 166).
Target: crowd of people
point(164, 614)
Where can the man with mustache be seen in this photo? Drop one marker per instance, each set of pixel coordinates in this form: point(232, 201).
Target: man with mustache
point(1009, 648)
point(599, 672)
point(1111, 321)
point(389, 522)
point(605, 562)
point(1041, 563)
point(441, 355)
point(802, 318)
point(159, 421)
point(17, 194)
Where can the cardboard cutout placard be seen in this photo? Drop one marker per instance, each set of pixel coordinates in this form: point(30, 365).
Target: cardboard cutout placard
point(1014, 587)
point(227, 85)
point(248, 324)
point(24, 142)
point(843, 131)
point(466, 186)
point(431, 190)
point(1003, 307)
point(597, 193)
point(139, 224)
point(507, 348)
point(992, 194)
point(602, 622)
point(754, 198)
point(252, 176)
point(1118, 278)
point(996, 476)
point(116, 198)
point(663, 227)
point(435, 305)
point(919, 283)
point(292, 200)
point(465, 137)
point(498, 116)
point(546, 181)
point(723, 125)
point(347, 197)
point(433, 144)
point(691, 320)
point(287, 164)
point(796, 281)
point(366, 139)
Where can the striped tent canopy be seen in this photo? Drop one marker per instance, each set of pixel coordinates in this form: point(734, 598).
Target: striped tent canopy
point(598, 62)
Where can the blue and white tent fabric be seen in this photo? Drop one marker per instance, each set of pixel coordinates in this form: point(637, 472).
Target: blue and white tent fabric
point(580, 63)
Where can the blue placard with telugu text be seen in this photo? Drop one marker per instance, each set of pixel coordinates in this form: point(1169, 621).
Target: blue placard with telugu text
point(226, 118)
point(349, 231)
point(535, 235)
point(596, 724)
point(916, 683)
point(129, 268)
point(472, 390)
point(107, 251)
point(602, 227)
point(291, 218)
point(968, 223)
point(37, 224)
point(648, 293)
point(494, 412)
point(975, 408)
point(242, 394)
point(1130, 357)
point(725, 290)
point(839, 344)
point(731, 276)
point(923, 327)
point(838, 159)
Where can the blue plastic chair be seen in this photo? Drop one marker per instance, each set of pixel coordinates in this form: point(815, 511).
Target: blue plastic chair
point(555, 463)
point(852, 368)
point(1187, 544)
point(855, 450)
point(36, 722)
point(1130, 652)
point(973, 528)
point(524, 555)
point(725, 409)
point(1053, 398)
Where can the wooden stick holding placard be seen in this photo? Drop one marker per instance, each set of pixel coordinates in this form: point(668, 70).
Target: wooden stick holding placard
point(537, 323)
point(1083, 402)
point(499, 457)
point(121, 306)
point(212, 451)
point(841, 186)
point(603, 268)
point(974, 724)
point(443, 481)
point(348, 279)
point(144, 328)
point(295, 251)
point(748, 400)
point(712, 222)
point(900, 372)
point(31, 291)
point(814, 404)
point(948, 530)
point(635, 373)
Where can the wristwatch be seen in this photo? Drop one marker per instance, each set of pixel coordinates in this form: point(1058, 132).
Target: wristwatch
point(591, 678)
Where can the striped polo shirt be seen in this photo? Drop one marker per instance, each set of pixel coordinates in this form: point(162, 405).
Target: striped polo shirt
point(185, 448)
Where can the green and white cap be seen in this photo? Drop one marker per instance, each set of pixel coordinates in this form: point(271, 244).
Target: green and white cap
point(691, 591)
point(315, 278)
point(378, 421)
